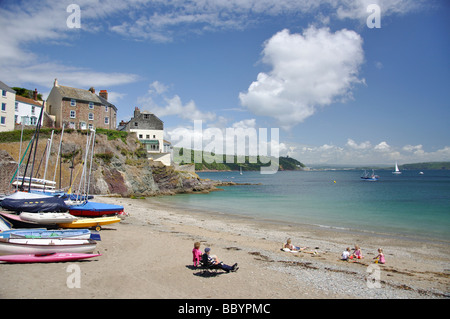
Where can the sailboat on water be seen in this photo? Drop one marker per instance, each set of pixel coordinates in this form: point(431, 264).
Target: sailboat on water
point(396, 171)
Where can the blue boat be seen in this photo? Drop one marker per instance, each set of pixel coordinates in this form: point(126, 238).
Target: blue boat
point(33, 203)
point(93, 209)
point(44, 233)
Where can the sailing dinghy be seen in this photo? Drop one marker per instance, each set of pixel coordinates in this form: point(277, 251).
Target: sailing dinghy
point(19, 246)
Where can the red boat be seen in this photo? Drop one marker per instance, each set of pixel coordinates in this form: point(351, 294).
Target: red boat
point(93, 209)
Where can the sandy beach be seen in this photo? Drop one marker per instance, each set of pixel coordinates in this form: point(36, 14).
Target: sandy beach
point(149, 255)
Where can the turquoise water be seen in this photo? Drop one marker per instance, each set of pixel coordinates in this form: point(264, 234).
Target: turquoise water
point(407, 205)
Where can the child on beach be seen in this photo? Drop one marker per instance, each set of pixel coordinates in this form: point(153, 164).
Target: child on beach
point(196, 254)
point(357, 254)
point(380, 258)
point(345, 254)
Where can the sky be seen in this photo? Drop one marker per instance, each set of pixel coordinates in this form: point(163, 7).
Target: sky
point(344, 82)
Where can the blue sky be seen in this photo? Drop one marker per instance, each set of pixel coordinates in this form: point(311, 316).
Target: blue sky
point(339, 91)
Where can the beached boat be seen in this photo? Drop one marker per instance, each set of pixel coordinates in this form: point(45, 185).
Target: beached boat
point(46, 258)
point(93, 209)
point(396, 170)
point(19, 246)
point(370, 177)
point(45, 233)
point(48, 218)
point(18, 222)
point(96, 223)
point(33, 203)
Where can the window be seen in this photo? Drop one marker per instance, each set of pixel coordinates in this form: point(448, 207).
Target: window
point(154, 136)
point(15, 118)
point(90, 126)
point(33, 120)
point(91, 116)
point(73, 114)
point(106, 120)
point(91, 105)
point(33, 109)
point(2, 120)
point(147, 137)
point(16, 107)
point(73, 102)
point(4, 93)
point(106, 108)
point(140, 135)
point(72, 125)
point(135, 124)
point(3, 107)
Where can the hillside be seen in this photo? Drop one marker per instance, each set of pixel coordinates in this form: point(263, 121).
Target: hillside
point(119, 166)
point(426, 165)
point(210, 164)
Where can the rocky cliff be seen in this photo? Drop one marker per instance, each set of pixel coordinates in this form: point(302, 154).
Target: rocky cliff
point(119, 166)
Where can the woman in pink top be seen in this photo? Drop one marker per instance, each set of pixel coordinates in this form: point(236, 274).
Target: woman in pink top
point(196, 254)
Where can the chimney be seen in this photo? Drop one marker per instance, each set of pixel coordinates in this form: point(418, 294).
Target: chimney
point(92, 90)
point(137, 112)
point(56, 83)
point(35, 94)
point(104, 94)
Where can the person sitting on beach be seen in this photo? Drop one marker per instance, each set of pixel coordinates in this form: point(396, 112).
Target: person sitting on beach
point(346, 254)
point(357, 254)
point(380, 258)
point(213, 260)
point(289, 246)
point(196, 254)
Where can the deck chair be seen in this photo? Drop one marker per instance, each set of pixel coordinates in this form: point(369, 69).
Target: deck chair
point(207, 265)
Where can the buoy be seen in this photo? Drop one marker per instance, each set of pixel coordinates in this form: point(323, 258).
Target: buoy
point(335, 182)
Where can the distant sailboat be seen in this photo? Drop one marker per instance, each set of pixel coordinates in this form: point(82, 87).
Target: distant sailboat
point(397, 171)
point(240, 170)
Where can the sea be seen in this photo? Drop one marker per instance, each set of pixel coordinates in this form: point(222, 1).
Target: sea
point(410, 205)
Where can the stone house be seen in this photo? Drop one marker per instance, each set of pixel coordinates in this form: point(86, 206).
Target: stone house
point(149, 130)
point(80, 109)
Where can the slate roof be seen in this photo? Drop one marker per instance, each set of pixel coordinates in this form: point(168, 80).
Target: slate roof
point(3, 86)
point(78, 94)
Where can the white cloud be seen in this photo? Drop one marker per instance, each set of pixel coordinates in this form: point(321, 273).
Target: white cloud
point(365, 153)
point(308, 71)
point(362, 146)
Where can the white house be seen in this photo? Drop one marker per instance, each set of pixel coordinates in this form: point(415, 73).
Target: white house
point(7, 101)
point(149, 130)
point(27, 110)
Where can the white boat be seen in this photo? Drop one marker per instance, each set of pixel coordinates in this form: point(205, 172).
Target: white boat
point(48, 218)
point(19, 246)
point(397, 171)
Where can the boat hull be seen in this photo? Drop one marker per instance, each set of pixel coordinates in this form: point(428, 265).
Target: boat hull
point(91, 222)
point(18, 222)
point(44, 233)
point(48, 218)
point(45, 246)
point(92, 209)
point(46, 258)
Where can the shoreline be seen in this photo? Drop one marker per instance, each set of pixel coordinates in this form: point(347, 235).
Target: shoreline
point(148, 255)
